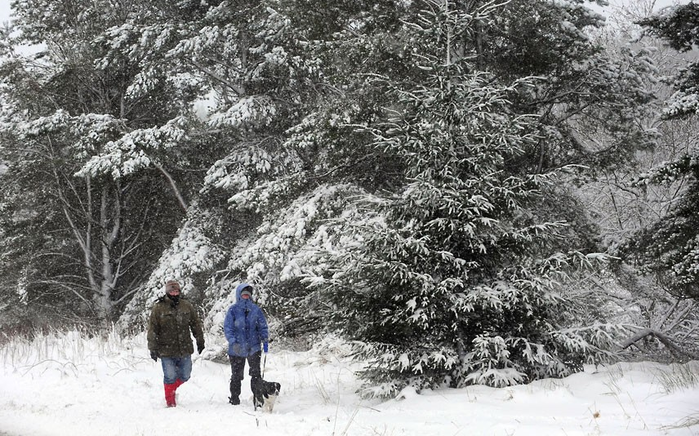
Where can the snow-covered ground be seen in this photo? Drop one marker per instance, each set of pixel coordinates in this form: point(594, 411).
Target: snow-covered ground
point(65, 384)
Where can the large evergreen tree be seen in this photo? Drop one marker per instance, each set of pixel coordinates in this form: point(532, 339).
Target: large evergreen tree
point(454, 272)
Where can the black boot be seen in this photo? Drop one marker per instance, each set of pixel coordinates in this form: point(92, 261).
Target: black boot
point(234, 399)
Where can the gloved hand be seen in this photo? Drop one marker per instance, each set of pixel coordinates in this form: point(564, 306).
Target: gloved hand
point(200, 348)
point(265, 347)
point(154, 355)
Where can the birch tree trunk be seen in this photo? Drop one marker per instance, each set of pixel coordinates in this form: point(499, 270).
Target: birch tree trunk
point(110, 224)
point(98, 256)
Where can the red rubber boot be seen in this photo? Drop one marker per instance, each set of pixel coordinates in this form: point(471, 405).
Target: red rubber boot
point(170, 394)
point(178, 383)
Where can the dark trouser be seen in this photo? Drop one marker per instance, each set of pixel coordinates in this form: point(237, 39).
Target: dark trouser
point(237, 370)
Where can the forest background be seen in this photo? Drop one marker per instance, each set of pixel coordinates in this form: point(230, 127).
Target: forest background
point(465, 191)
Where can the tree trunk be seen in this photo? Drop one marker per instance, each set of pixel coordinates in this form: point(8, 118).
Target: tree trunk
point(110, 224)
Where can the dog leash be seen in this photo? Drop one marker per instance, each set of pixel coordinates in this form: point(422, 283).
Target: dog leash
point(264, 364)
point(262, 377)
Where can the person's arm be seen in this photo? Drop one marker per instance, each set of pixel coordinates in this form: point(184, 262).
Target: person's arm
point(197, 330)
point(153, 332)
point(228, 324)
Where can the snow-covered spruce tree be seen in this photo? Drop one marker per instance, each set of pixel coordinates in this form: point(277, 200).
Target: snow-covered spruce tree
point(90, 190)
point(454, 277)
point(451, 280)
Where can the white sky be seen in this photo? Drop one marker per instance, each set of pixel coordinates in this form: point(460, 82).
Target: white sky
point(4, 10)
point(662, 3)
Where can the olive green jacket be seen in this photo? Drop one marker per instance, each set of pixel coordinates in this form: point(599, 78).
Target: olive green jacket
point(169, 327)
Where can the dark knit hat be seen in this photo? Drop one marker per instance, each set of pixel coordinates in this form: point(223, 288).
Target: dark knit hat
point(172, 285)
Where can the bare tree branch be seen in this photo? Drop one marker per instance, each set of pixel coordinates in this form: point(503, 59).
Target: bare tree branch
point(169, 178)
point(662, 338)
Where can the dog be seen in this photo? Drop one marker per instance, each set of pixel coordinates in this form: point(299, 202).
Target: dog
point(264, 394)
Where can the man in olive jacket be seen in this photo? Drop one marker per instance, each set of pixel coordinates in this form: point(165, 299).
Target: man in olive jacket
point(171, 321)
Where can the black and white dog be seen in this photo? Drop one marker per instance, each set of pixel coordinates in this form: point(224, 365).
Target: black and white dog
point(264, 394)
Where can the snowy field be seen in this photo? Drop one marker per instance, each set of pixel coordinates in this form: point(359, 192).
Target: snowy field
point(65, 384)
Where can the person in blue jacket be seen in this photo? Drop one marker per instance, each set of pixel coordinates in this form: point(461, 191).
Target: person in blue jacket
point(246, 330)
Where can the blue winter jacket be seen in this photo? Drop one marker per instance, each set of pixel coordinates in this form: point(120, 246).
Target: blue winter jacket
point(245, 326)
